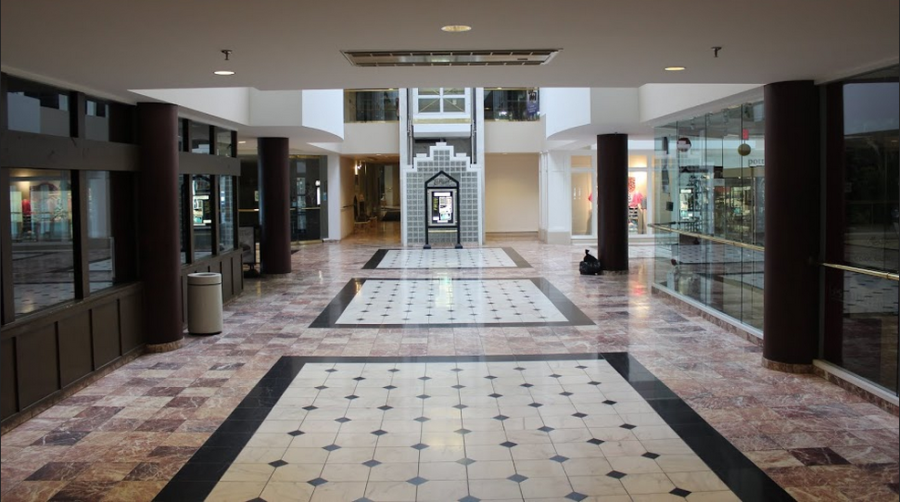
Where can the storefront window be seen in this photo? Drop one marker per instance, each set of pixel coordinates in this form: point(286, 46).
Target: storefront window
point(200, 141)
point(181, 239)
point(582, 203)
point(223, 142)
point(37, 108)
point(226, 213)
point(201, 215)
point(42, 239)
point(100, 237)
point(518, 105)
point(376, 105)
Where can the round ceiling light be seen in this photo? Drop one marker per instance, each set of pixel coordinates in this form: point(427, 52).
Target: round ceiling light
point(456, 28)
point(675, 68)
point(223, 73)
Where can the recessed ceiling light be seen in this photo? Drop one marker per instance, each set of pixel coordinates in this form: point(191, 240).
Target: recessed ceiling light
point(241, 142)
point(223, 73)
point(456, 28)
point(675, 68)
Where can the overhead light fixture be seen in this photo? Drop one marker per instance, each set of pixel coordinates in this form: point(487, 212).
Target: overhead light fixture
point(225, 73)
point(675, 68)
point(516, 57)
point(241, 142)
point(456, 28)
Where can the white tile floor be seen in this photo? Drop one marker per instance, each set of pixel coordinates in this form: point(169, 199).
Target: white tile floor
point(446, 301)
point(447, 258)
point(548, 430)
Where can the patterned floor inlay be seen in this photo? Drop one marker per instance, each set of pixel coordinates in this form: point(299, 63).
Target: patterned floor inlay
point(450, 302)
point(446, 259)
point(467, 429)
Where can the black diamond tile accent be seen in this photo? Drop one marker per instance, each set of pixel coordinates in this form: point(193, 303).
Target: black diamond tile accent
point(579, 415)
point(364, 499)
point(321, 387)
point(491, 377)
point(546, 429)
point(460, 406)
point(593, 383)
point(495, 395)
point(652, 456)
point(609, 402)
point(278, 463)
point(393, 370)
point(518, 478)
point(371, 463)
point(559, 458)
point(389, 387)
point(317, 481)
point(419, 446)
point(577, 497)
point(462, 431)
point(616, 474)
point(310, 408)
point(456, 370)
point(331, 447)
point(581, 367)
point(508, 444)
point(418, 480)
point(423, 396)
point(385, 408)
point(351, 397)
point(296, 433)
point(457, 387)
point(330, 370)
point(535, 405)
point(425, 378)
point(501, 417)
point(379, 432)
point(526, 385)
point(342, 420)
point(359, 379)
point(566, 393)
point(596, 441)
point(465, 461)
point(679, 492)
point(628, 426)
point(469, 498)
point(422, 419)
point(519, 368)
point(555, 376)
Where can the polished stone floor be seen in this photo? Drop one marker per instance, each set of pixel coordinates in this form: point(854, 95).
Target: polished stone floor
point(127, 436)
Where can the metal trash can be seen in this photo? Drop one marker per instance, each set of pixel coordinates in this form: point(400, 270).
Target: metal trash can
point(204, 290)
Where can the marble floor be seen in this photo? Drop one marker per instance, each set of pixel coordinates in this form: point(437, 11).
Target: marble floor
point(162, 424)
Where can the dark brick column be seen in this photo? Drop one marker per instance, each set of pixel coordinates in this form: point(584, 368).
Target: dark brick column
point(612, 202)
point(274, 206)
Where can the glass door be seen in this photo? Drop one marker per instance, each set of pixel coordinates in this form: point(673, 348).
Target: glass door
point(584, 210)
point(307, 194)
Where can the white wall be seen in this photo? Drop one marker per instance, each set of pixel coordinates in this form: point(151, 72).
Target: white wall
point(511, 193)
point(277, 108)
point(558, 192)
point(565, 108)
point(614, 110)
point(229, 103)
point(323, 109)
point(335, 199)
point(513, 137)
point(659, 101)
point(369, 138)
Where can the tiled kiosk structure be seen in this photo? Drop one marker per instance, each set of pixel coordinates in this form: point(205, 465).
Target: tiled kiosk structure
point(442, 157)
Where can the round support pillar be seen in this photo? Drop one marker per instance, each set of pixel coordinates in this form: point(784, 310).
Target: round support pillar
point(612, 202)
point(274, 206)
point(791, 295)
point(160, 245)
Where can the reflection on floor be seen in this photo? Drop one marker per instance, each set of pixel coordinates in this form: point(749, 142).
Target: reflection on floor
point(126, 436)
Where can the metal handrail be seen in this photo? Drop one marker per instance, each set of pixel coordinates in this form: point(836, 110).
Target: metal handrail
point(717, 240)
point(865, 271)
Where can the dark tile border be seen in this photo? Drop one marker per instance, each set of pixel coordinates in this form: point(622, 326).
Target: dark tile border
point(196, 480)
point(379, 255)
point(574, 316)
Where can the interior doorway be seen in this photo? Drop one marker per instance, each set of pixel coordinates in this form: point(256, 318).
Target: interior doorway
point(376, 198)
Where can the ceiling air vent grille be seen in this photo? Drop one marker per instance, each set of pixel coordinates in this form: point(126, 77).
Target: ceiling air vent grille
point(450, 58)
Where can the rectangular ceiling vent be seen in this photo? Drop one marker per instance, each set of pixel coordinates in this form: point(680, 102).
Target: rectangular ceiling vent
point(450, 58)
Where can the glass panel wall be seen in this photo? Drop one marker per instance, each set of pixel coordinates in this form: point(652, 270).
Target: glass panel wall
point(226, 213)
point(181, 229)
point(521, 104)
point(42, 239)
point(101, 251)
point(371, 105)
point(37, 108)
point(200, 141)
point(709, 210)
point(201, 215)
point(861, 227)
point(223, 142)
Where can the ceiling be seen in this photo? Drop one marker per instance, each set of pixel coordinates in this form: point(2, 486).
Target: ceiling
point(110, 46)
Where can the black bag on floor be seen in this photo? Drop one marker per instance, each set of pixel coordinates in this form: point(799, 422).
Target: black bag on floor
point(589, 265)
